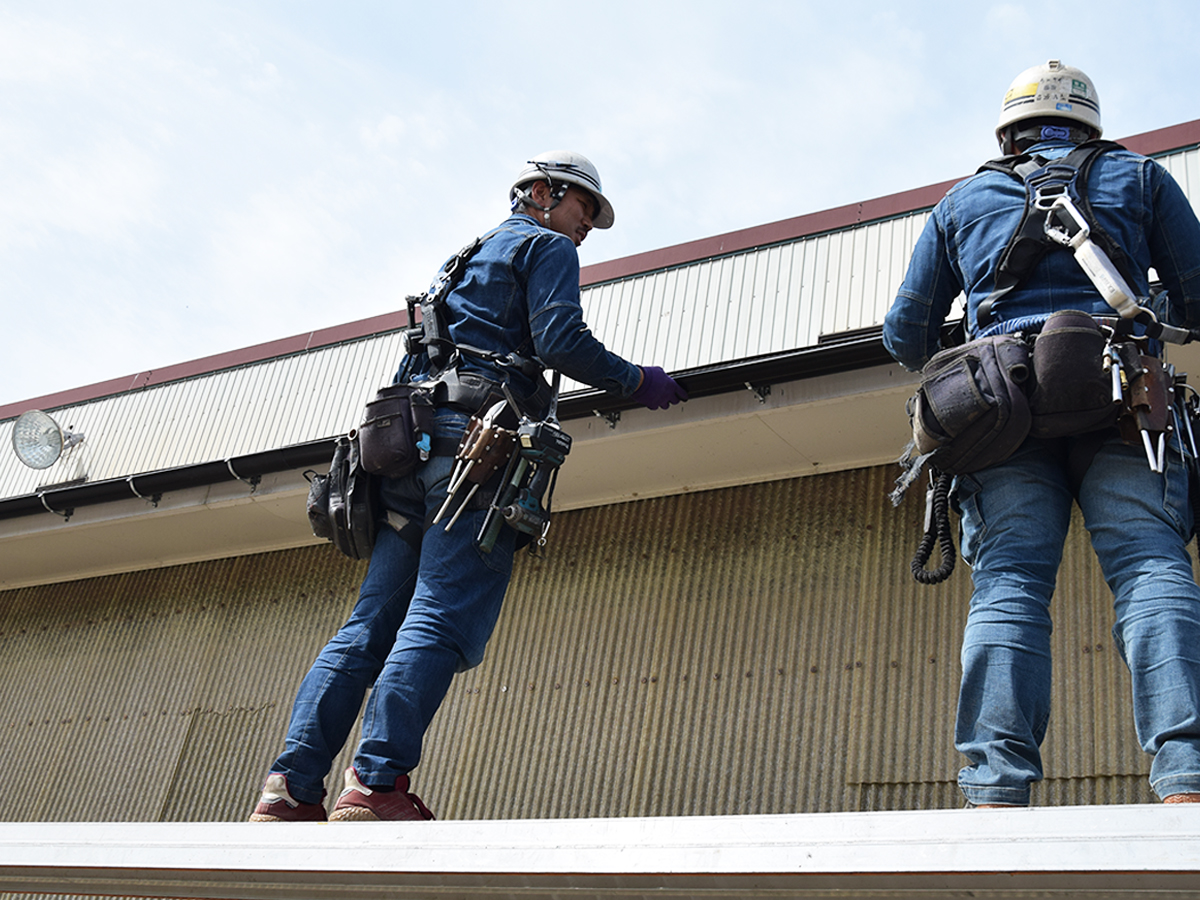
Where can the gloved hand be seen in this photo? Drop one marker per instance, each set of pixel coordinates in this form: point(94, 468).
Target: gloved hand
point(658, 390)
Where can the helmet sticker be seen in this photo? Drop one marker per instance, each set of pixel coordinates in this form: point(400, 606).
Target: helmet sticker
point(1017, 91)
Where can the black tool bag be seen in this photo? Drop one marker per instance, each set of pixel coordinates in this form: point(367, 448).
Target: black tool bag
point(343, 505)
point(971, 410)
point(390, 428)
point(1074, 391)
point(318, 505)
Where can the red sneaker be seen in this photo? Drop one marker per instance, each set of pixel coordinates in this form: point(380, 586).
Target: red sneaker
point(277, 805)
point(359, 803)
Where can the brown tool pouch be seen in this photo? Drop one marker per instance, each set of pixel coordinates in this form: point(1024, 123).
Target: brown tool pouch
point(391, 428)
point(1147, 404)
point(485, 451)
point(1073, 390)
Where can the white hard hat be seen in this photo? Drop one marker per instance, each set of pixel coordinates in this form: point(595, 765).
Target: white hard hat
point(1051, 90)
point(565, 167)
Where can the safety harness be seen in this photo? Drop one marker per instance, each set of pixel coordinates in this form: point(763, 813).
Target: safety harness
point(431, 338)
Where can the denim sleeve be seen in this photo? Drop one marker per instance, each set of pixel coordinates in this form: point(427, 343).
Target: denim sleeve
point(912, 327)
point(1175, 248)
point(561, 339)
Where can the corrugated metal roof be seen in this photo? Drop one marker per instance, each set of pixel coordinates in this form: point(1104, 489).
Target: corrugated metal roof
point(760, 301)
point(235, 412)
point(725, 308)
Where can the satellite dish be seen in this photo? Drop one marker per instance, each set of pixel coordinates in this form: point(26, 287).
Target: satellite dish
point(39, 441)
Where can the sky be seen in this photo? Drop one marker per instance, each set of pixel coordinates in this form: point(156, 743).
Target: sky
point(180, 179)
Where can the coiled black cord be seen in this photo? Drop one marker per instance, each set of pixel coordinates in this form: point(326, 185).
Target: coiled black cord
point(938, 531)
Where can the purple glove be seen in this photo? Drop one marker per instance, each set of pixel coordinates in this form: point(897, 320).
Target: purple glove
point(658, 390)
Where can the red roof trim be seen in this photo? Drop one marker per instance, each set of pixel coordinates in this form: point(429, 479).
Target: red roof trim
point(760, 235)
point(234, 358)
point(1162, 140)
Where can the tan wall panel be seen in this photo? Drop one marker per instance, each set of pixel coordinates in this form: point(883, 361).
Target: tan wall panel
point(755, 650)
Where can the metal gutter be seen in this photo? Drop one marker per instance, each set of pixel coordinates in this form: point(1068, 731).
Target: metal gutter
point(757, 373)
point(1117, 851)
point(65, 499)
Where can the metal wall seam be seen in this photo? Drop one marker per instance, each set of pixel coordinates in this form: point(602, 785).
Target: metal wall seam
point(762, 303)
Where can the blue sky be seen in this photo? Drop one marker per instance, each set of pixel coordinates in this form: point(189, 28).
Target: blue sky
point(183, 179)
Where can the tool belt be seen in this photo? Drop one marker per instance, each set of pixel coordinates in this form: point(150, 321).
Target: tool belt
point(1083, 376)
point(395, 434)
point(977, 402)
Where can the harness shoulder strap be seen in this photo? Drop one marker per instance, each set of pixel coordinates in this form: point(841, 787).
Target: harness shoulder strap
point(1044, 180)
point(437, 342)
point(439, 345)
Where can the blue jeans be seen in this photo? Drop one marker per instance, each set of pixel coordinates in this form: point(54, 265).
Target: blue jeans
point(423, 613)
point(1015, 518)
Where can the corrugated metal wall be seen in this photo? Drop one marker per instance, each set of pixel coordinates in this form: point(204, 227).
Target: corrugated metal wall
point(760, 649)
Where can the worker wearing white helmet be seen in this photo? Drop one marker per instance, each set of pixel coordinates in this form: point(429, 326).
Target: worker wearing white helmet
point(434, 588)
point(1035, 242)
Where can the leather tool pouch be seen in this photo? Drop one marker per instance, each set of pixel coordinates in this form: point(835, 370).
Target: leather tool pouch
point(389, 434)
point(1073, 392)
point(1147, 403)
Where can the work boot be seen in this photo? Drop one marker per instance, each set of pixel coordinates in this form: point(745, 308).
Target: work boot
point(278, 805)
point(1182, 798)
point(359, 803)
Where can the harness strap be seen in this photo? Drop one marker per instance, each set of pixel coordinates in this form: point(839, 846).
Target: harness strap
point(1045, 180)
point(444, 355)
point(439, 346)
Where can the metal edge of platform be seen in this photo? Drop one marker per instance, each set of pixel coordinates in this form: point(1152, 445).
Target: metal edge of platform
point(1113, 850)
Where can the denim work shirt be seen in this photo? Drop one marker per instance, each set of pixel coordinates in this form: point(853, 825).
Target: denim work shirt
point(520, 294)
point(1134, 199)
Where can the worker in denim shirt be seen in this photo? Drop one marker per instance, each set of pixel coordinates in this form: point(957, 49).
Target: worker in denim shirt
point(1015, 514)
point(431, 596)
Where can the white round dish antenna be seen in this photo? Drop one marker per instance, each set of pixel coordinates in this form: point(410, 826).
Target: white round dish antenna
point(39, 441)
